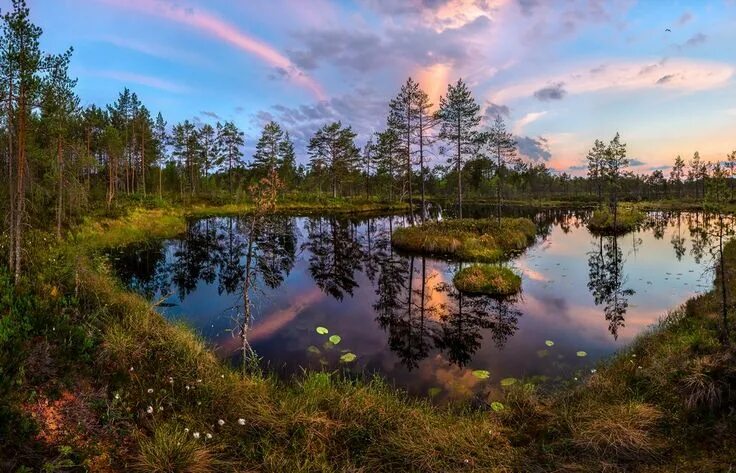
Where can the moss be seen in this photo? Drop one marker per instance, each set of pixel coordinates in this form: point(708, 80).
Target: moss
point(489, 280)
point(627, 220)
point(481, 240)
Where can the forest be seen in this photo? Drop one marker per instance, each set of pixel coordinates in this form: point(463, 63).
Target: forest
point(168, 302)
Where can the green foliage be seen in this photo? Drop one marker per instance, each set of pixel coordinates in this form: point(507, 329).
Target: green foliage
point(626, 220)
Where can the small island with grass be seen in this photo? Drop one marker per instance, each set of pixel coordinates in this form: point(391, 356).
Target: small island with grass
point(475, 240)
point(626, 219)
point(496, 281)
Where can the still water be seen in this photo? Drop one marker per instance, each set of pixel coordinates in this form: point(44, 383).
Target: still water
point(583, 297)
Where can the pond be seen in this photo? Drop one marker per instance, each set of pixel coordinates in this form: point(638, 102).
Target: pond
point(583, 297)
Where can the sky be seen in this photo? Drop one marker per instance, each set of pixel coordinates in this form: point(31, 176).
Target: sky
point(561, 72)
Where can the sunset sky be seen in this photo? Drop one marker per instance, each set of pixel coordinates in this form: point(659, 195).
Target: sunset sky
point(561, 72)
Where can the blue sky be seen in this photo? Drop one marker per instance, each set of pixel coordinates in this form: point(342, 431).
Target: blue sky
point(562, 72)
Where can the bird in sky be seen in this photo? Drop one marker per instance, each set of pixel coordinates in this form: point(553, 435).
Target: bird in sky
point(667, 30)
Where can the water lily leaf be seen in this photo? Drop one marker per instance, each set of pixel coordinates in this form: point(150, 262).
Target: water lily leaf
point(322, 330)
point(433, 391)
point(313, 349)
point(508, 381)
point(581, 353)
point(481, 374)
point(549, 343)
point(348, 357)
point(335, 339)
point(497, 406)
point(542, 353)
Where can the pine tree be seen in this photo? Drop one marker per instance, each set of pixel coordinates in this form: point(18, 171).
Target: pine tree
point(677, 173)
point(207, 148)
point(388, 157)
point(459, 117)
point(426, 121)
point(614, 166)
point(161, 142)
point(332, 149)
point(402, 118)
point(595, 159)
point(268, 157)
point(287, 171)
point(229, 143)
point(501, 145)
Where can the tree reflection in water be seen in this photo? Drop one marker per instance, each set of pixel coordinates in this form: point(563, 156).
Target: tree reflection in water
point(606, 282)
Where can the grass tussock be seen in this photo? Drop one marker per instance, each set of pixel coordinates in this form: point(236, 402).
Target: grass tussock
point(171, 449)
point(627, 219)
point(481, 240)
point(489, 280)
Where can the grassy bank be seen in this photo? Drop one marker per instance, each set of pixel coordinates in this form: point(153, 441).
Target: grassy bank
point(627, 219)
point(84, 361)
point(486, 279)
point(481, 240)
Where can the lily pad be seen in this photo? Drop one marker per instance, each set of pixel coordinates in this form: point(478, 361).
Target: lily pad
point(481, 374)
point(497, 406)
point(549, 343)
point(313, 349)
point(335, 339)
point(542, 353)
point(508, 381)
point(322, 330)
point(433, 391)
point(581, 353)
point(348, 357)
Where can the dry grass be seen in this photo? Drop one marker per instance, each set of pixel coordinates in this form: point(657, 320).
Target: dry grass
point(480, 240)
point(627, 219)
point(489, 280)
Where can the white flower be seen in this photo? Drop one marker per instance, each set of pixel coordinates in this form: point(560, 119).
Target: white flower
point(150, 390)
point(117, 395)
point(241, 421)
point(150, 409)
point(199, 380)
point(593, 370)
point(131, 369)
point(209, 436)
point(575, 378)
point(199, 403)
point(160, 408)
point(222, 376)
point(186, 430)
point(187, 387)
point(171, 380)
point(221, 422)
point(195, 435)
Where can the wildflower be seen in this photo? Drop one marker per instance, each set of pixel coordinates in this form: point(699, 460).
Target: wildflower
point(199, 403)
point(222, 376)
point(593, 370)
point(131, 369)
point(575, 378)
point(150, 409)
point(187, 387)
point(171, 380)
point(209, 436)
point(150, 390)
point(195, 435)
point(638, 367)
point(186, 430)
point(241, 421)
point(221, 422)
point(117, 395)
point(160, 408)
point(199, 380)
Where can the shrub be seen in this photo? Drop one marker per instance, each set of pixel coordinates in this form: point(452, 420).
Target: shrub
point(489, 280)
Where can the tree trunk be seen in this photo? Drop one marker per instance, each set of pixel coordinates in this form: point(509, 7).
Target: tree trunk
point(724, 297)
point(459, 174)
point(60, 194)
point(421, 163)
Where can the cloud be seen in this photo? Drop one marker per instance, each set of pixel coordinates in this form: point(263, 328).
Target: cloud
point(636, 162)
point(684, 18)
point(155, 50)
point(527, 119)
point(688, 75)
point(578, 167)
point(695, 40)
point(210, 24)
point(665, 79)
point(210, 115)
point(535, 149)
point(495, 110)
point(135, 78)
point(551, 92)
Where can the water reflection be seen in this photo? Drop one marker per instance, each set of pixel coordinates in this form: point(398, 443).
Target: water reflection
point(400, 313)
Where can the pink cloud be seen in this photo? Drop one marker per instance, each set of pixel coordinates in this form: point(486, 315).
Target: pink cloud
point(149, 81)
point(210, 24)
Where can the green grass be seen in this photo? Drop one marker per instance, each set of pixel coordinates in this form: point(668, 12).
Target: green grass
point(627, 220)
point(480, 240)
point(489, 280)
point(662, 404)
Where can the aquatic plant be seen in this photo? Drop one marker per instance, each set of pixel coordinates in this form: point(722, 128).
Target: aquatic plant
point(487, 279)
